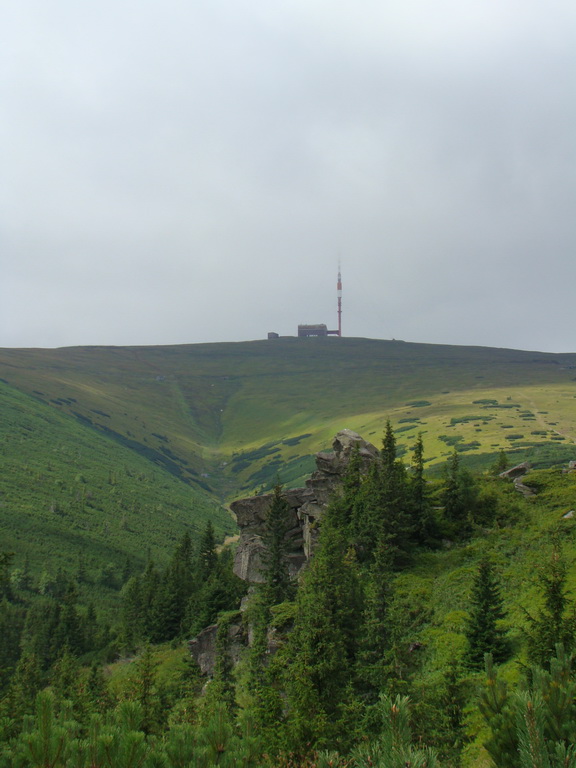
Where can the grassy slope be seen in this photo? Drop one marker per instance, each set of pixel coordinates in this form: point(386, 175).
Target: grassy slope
point(239, 412)
point(433, 595)
point(67, 491)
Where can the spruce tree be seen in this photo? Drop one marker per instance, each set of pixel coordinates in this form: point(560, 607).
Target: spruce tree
point(374, 661)
point(175, 589)
point(207, 556)
point(277, 586)
point(501, 464)
point(556, 621)
point(322, 649)
point(150, 594)
point(145, 690)
point(395, 524)
point(259, 693)
point(344, 504)
point(69, 635)
point(366, 514)
point(6, 559)
point(484, 631)
point(131, 613)
point(423, 524)
point(25, 683)
point(11, 625)
point(381, 507)
point(459, 497)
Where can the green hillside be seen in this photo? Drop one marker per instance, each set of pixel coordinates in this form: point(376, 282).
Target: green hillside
point(228, 417)
point(70, 496)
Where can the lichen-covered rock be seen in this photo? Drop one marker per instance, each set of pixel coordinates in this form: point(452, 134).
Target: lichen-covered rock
point(306, 506)
point(203, 646)
point(517, 471)
point(203, 649)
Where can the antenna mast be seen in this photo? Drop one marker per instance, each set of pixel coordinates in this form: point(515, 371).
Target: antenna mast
point(339, 294)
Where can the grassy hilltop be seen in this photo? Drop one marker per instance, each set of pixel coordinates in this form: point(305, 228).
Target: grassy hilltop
point(226, 417)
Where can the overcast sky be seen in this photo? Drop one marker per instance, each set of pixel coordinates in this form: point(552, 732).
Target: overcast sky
point(193, 170)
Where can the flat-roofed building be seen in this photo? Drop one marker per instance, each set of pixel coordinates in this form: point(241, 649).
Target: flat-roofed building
point(320, 329)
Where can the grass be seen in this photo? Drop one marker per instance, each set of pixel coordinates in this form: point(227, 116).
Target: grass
point(209, 413)
point(69, 493)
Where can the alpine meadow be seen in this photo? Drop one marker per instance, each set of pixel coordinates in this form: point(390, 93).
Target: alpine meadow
point(293, 552)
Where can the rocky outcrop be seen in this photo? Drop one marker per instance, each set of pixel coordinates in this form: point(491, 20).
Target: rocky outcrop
point(516, 474)
point(305, 509)
point(517, 471)
point(306, 506)
point(203, 646)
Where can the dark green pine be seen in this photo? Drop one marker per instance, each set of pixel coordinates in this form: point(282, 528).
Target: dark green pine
point(484, 631)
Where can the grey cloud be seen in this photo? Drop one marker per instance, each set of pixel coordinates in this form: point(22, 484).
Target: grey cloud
point(169, 163)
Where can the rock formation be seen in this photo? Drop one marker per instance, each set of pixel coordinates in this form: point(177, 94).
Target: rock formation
point(516, 474)
point(203, 646)
point(306, 508)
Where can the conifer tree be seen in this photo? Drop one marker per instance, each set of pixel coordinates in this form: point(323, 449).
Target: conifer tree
point(381, 507)
point(64, 677)
point(6, 559)
point(556, 621)
point(42, 620)
point(25, 683)
point(46, 744)
point(94, 691)
point(484, 630)
point(497, 708)
point(149, 594)
point(69, 632)
point(221, 691)
point(259, 692)
point(11, 625)
point(536, 727)
point(501, 464)
point(131, 614)
point(322, 648)
point(395, 524)
point(423, 524)
point(90, 628)
point(459, 496)
point(366, 516)
point(222, 591)
point(277, 586)
point(146, 691)
point(374, 659)
point(175, 589)
point(207, 556)
point(394, 748)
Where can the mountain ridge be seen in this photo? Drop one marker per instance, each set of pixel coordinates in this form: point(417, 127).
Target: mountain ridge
point(202, 405)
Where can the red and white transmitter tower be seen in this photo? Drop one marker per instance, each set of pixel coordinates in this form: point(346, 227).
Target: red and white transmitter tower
point(339, 294)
